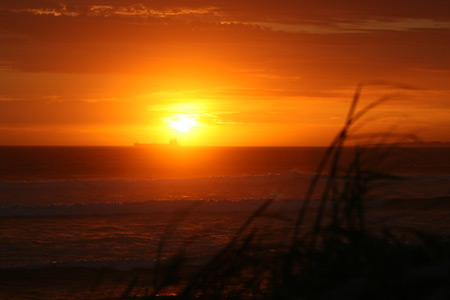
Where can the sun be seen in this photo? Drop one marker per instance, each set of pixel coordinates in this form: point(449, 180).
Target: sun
point(182, 123)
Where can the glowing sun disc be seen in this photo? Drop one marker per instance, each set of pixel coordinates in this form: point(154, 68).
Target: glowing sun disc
point(182, 124)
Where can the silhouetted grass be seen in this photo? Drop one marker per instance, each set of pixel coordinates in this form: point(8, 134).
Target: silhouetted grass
point(327, 252)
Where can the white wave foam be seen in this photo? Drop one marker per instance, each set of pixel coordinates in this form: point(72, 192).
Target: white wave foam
point(110, 191)
point(228, 193)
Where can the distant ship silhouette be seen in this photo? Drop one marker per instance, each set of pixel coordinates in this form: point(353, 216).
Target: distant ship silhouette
point(172, 143)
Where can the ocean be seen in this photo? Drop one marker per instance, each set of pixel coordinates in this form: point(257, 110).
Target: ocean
point(92, 209)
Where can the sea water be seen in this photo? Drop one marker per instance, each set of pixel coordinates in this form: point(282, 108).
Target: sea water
point(110, 207)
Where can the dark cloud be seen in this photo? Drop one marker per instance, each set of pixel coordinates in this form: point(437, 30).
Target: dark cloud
point(264, 10)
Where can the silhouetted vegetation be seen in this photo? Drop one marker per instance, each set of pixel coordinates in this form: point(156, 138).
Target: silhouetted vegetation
point(326, 251)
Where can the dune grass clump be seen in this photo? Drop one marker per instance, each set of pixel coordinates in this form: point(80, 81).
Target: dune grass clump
point(327, 251)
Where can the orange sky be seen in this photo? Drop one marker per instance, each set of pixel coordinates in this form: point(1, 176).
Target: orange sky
point(115, 72)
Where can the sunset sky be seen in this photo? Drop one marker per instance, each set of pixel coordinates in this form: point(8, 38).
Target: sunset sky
point(115, 72)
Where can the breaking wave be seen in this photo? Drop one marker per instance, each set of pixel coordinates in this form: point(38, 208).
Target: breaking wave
point(227, 193)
